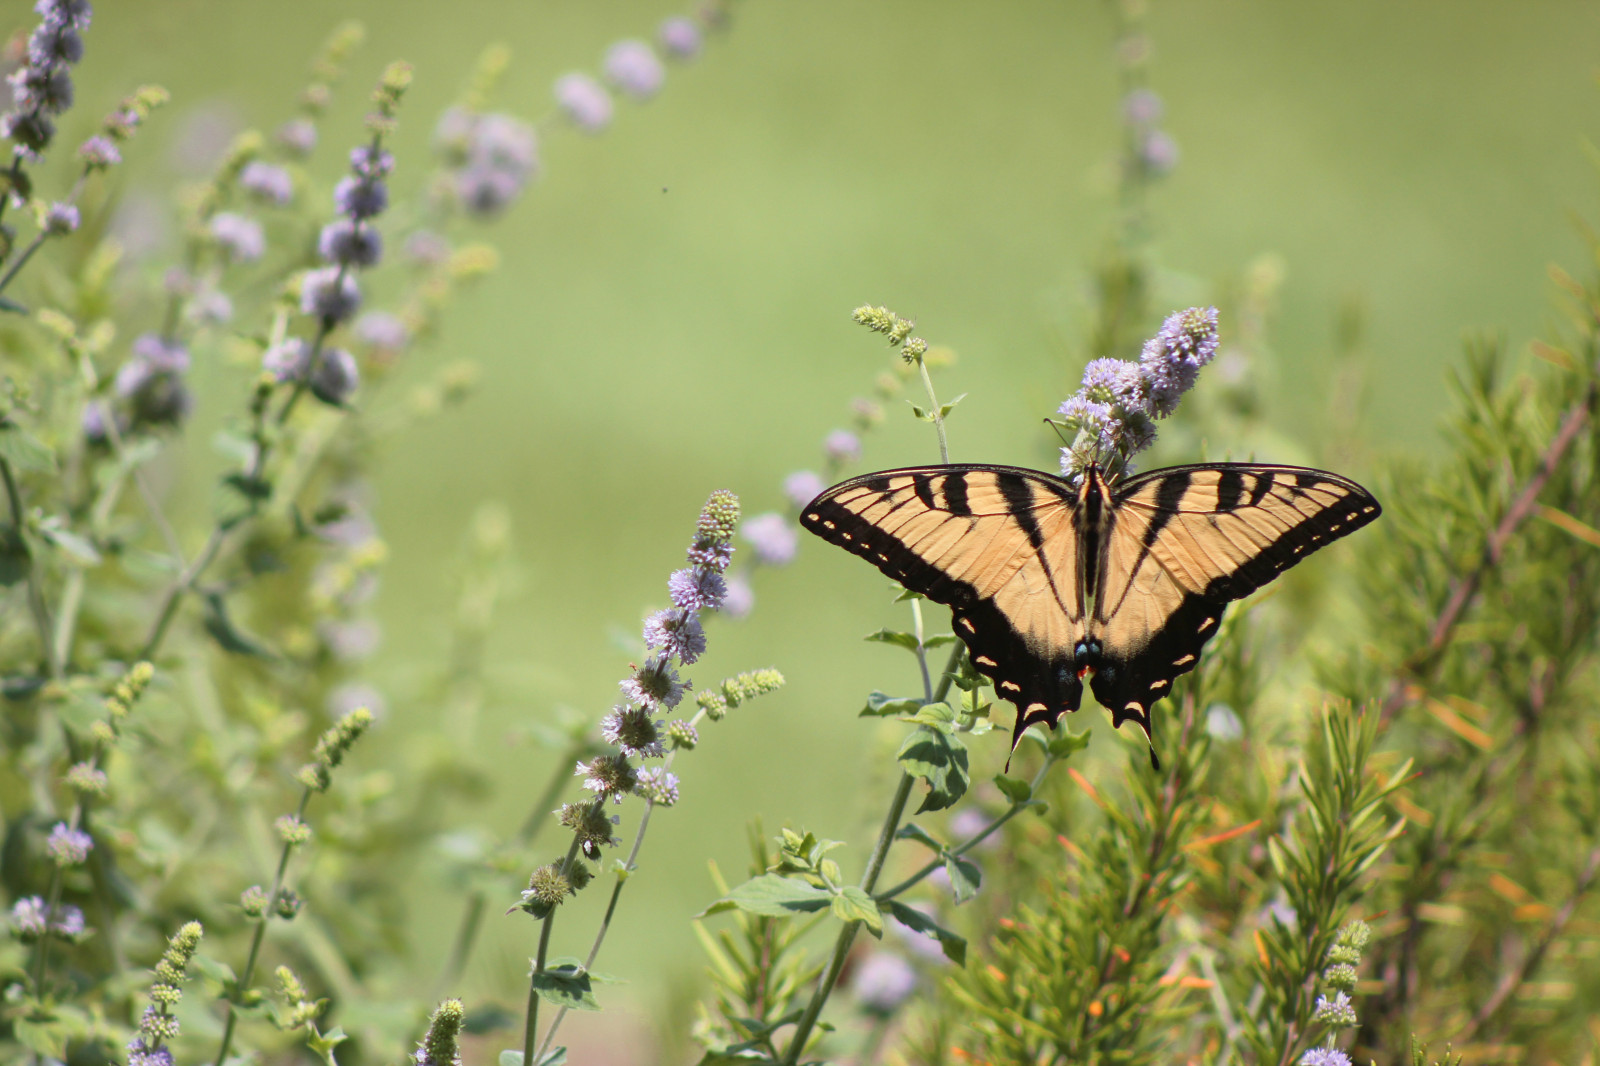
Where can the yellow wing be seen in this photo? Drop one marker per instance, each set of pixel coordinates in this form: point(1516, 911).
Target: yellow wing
point(998, 545)
point(1185, 541)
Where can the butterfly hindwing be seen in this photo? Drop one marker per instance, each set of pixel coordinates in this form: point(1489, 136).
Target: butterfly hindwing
point(1183, 543)
point(998, 545)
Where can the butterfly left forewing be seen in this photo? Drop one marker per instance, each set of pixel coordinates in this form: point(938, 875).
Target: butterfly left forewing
point(1183, 543)
point(998, 545)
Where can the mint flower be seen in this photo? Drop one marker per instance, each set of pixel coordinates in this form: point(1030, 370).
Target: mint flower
point(584, 101)
point(28, 917)
point(680, 38)
point(884, 981)
point(608, 775)
point(842, 446)
point(696, 588)
point(330, 293)
point(658, 786)
point(654, 685)
point(677, 633)
point(1324, 1056)
point(633, 67)
point(267, 183)
point(240, 238)
point(68, 846)
point(772, 537)
point(803, 486)
point(634, 731)
point(1172, 359)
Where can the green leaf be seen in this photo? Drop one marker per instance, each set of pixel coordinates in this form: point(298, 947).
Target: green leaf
point(8, 304)
point(219, 974)
point(556, 1056)
point(941, 760)
point(566, 984)
point(881, 706)
point(78, 548)
point(939, 640)
point(920, 413)
point(512, 1058)
point(913, 831)
point(1015, 790)
point(889, 636)
point(24, 451)
point(852, 904)
point(45, 1039)
point(1065, 742)
point(965, 877)
point(222, 630)
point(251, 488)
point(324, 1043)
point(905, 594)
point(947, 408)
point(940, 716)
point(772, 897)
point(954, 947)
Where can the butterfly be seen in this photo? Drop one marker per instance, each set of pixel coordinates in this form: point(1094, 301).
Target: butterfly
point(1050, 581)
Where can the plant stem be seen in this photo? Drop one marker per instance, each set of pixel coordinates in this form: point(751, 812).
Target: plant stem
point(27, 253)
point(260, 934)
point(938, 419)
point(976, 839)
point(530, 1031)
point(36, 604)
point(847, 935)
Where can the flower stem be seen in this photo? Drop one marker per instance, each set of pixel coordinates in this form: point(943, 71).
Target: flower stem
point(36, 604)
point(249, 971)
point(22, 260)
point(938, 419)
point(530, 1031)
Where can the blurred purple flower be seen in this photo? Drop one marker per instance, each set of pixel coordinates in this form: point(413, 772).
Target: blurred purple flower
point(634, 68)
point(658, 785)
point(1158, 152)
point(680, 37)
point(68, 846)
point(330, 293)
point(354, 695)
point(584, 101)
point(802, 487)
point(240, 238)
point(739, 599)
point(773, 538)
point(60, 219)
point(360, 198)
point(28, 916)
point(98, 151)
point(298, 136)
point(351, 641)
point(350, 243)
point(1142, 107)
point(268, 183)
point(842, 446)
point(383, 331)
point(286, 361)
point(883, 982)
point(211, 307)
point(335, 377)
point(427, 247)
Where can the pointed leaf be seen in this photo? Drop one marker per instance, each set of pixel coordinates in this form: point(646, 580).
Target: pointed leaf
point(941, 760)
point(965, 877)
point(222, 630)
point(556, 1056)
point(882, 706)
point(76, 547)
point(913, 831)
point(772, 897)
point(940, 716)
point(939, 640)
point(1015, 790)
point(889, 636)
point(510, 1058)
point(566, 985)
point(8, 304)
point(1065, 742)
point(24, 451)
point(955, 947)
point(853, 904)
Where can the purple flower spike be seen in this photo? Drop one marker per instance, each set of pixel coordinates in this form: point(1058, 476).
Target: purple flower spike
point(584, 101)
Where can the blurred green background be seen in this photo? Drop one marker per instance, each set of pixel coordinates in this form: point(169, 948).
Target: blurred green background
point(671, 314)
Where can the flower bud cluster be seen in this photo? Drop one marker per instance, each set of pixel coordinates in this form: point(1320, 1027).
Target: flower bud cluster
point(493, 156)
point(157, 1025)
point(42, 86)
point(736, 690)
point(442, 1046)
point(1112, 416)
point(1338, 1012)
point(331, 748)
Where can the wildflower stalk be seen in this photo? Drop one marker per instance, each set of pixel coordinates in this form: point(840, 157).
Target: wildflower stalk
point(248, 973)
point(530, 1031)
point(869, 880)
point(316, 776)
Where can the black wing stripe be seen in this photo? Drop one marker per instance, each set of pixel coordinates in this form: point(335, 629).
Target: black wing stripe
point(1168, 495)
point(1019, 497)
point(955, 495)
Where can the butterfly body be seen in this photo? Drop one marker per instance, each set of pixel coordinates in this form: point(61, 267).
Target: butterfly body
point(1052, 583)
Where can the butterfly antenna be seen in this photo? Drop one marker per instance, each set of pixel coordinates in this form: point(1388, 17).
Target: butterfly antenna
point(1053, 424)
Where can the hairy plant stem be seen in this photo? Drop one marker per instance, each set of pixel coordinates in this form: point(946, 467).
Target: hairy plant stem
point(616, 889)
point(869, 880)
point(530, 1031)
point(938, 419)
point(248, 974)
point(36, 604)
